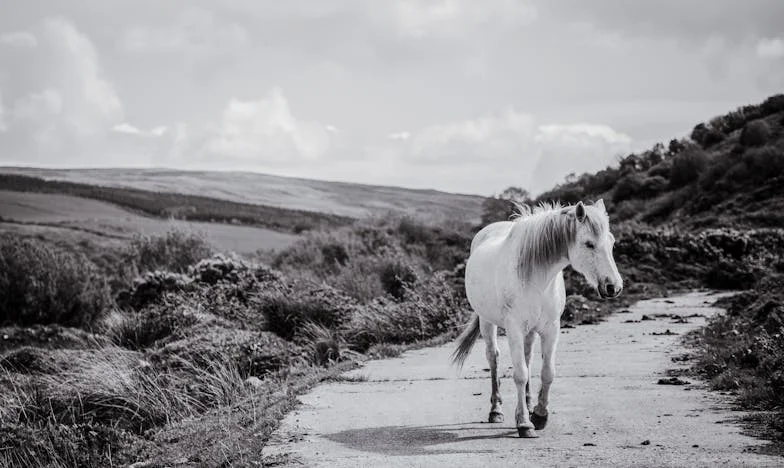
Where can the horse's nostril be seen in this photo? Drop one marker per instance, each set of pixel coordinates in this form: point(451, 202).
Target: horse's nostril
point(610, 290)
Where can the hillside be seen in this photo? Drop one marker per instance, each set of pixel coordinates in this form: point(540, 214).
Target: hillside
point(77, 221)
point(332, 198)
point(729, 173)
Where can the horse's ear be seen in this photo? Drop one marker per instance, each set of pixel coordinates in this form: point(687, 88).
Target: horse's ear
point(600, 204)
point(579, 211)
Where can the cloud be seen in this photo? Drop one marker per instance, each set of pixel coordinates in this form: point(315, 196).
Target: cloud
point(576, 148)
point(3, 125)
point(91, 103)
point(456, 18)
point(770, 48)
point(511, 148)
point(197, 32)
point(62, 109)
point(129, 129)
point(18, 39)
point(264, 131)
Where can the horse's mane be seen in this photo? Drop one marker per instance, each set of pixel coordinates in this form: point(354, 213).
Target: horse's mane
point(544, 233)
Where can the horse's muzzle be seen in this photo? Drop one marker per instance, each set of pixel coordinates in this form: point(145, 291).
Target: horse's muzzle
point(607, 290)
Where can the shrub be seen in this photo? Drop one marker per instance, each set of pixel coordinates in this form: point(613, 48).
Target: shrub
point(334, 254)
point(395, 275)
point(730, 275)
point(174, 251)
point(773, 104)
point(41, 284)
point(151, 287)
point(431, 308)
point(706, 136)
point(628, 187)
point(286, 314)
point(755, 133)
point(652, 186)
point(663, 169)
point(231, 269)
point(767, 161)
point(687, 166)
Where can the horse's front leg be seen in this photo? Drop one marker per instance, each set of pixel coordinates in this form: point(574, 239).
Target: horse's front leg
point(529, 347)
point(549, 345)
point(516, 338)
point(491, 351)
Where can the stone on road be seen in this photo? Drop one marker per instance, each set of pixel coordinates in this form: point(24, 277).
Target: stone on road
point(606, 408)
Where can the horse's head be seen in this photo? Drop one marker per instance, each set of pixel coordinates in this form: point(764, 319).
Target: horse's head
point(591, 252)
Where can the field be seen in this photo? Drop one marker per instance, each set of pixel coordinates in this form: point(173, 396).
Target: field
point(128, 336)
point(337, 198)
point(65, 217)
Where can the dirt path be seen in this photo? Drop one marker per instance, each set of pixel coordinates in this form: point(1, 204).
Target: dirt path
point(606, 408)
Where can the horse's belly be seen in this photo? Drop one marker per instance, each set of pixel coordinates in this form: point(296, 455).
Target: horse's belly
point(481, 289)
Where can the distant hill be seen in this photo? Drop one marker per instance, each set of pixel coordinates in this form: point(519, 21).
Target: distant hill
point(728, 173)
point(331, 198)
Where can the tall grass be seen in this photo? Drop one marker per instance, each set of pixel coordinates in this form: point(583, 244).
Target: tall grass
point(111, 390)
point(42, 284)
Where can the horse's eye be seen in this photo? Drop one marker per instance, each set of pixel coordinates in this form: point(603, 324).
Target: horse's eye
point(590, 245)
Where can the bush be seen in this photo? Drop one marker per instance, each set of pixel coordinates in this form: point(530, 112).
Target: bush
point(40, 284)
point(773, 104)
point(395, 277)
point(431, 308)
point(766, 162)
point(628, 187)
point(174, 251)
point(730, 275)
point(231, 269)
point(706, 136)
point(151, 288)
point(755, 133)
point(687, 166)
point(287, 314)
point(653, 186)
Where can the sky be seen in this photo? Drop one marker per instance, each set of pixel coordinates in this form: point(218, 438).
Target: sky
point(456, 95)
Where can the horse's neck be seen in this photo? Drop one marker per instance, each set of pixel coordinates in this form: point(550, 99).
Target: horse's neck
point(546, 273)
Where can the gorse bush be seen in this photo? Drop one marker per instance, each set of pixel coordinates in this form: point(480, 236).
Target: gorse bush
point(707, 136)
point(174, 251)
point(755, 133)
point(687, 166)
point(41, 284)
point(287, 313)
point(395, 276)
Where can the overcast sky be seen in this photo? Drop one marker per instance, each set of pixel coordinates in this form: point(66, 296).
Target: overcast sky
point(460, 95)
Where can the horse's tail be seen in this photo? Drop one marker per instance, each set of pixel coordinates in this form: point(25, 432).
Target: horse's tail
point(466, 342)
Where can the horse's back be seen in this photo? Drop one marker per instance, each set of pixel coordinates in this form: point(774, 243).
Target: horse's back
point(493, 231)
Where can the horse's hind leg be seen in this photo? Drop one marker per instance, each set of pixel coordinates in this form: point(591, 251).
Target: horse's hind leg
point(491, 351)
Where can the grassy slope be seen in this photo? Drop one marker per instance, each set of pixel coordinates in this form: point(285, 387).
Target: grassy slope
point(70, 220)
point(190, 207)
point(337, 198)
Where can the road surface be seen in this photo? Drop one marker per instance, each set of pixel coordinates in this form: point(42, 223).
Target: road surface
point(606, 408)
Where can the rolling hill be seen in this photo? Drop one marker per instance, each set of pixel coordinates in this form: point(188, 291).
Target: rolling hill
point(331, 198)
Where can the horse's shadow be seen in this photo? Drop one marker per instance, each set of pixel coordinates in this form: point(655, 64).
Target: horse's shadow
point(414, 440)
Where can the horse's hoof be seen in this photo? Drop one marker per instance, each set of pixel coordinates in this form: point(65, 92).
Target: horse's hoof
point(527, 433)
point(496, 417)
point(539, 421)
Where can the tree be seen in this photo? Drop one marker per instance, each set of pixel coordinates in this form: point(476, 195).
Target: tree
point(501, 207)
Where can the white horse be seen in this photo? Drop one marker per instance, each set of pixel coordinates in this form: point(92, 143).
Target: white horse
point(514, 280)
